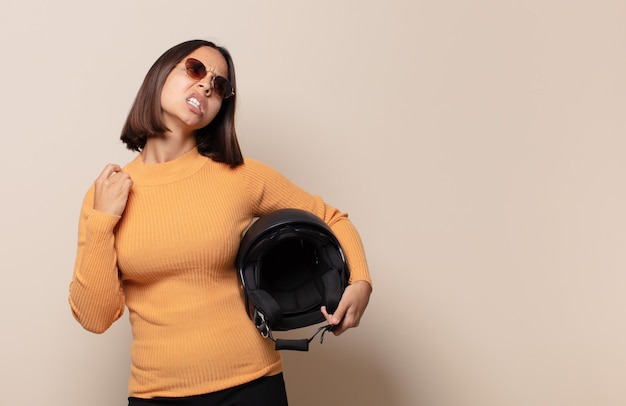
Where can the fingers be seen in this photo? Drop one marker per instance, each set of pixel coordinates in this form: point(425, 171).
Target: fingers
point(344, 318)
point(113, 177)
point(112, 188)
point(351, 307)
point(108, 170)
point(332, 319)
point(340, 324)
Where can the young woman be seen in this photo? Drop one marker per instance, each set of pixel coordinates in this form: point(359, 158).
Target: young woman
point(160, 237)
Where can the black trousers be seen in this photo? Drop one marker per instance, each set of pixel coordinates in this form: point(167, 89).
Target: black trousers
point(265, 391)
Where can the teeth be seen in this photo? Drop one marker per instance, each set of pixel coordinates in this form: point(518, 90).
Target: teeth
point(194, 101)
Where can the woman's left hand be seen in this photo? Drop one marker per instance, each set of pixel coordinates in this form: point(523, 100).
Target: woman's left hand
point(353, 302)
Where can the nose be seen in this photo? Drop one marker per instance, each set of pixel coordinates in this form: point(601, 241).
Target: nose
point(206, 84)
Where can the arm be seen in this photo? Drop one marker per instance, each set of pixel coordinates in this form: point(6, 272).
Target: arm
point(273, 191)
point(96, 296)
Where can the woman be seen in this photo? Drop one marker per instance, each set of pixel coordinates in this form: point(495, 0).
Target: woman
point(160, 237)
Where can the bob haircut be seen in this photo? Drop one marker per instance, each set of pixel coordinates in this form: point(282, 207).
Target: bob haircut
point(218, 140)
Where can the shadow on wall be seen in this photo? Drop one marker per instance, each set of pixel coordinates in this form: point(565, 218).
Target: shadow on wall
point(337, 374)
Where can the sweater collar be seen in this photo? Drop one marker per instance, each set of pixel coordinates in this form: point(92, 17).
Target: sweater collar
point(166, 172)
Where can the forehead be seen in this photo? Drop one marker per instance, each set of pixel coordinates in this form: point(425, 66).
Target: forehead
point(212, 59)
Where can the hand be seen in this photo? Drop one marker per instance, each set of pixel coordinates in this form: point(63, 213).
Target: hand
point(111, 190)
point(351, 307)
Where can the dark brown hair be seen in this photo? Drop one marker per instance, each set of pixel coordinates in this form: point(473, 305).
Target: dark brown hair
point(218, 140)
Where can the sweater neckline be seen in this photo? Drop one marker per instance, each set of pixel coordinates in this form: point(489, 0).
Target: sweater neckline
point(165, 172)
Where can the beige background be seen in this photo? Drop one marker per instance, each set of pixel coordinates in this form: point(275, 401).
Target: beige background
point(477, 145)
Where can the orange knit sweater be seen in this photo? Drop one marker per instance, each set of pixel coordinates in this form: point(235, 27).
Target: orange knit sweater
point(170, 259)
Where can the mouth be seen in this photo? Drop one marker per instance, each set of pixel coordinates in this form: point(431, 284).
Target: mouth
point(195, 103)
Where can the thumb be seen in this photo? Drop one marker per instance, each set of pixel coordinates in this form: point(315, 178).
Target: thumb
point(338, 315)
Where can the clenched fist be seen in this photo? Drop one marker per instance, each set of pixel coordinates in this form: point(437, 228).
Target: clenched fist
point(111, 190)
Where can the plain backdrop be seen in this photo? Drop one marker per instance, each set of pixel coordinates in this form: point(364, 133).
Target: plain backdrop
point(478, 146)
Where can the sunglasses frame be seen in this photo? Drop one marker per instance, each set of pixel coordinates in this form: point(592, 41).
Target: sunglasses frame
point(218, 82)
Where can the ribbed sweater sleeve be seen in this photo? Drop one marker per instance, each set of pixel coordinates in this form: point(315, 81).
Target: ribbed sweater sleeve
point(96, 296)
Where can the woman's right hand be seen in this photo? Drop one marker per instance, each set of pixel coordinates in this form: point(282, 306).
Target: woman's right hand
point(111, 190)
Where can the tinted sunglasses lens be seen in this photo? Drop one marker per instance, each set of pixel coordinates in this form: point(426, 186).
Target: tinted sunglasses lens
point(195, 68)
point(223, 87)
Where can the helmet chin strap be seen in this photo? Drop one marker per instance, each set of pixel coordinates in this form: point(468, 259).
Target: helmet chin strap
point(302, 344)
point(289, 344)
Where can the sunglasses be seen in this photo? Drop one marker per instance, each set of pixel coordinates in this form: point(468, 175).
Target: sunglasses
point(221, 85)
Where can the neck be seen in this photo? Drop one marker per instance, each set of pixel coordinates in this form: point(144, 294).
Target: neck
point(159, 150)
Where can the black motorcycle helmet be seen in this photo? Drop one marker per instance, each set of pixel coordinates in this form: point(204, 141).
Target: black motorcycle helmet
point(290, 264)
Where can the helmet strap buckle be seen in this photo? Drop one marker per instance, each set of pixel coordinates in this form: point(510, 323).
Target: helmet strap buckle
point(261, 324)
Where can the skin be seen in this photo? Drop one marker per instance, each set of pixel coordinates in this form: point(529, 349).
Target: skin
point(113, 186)
point(351, 307)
